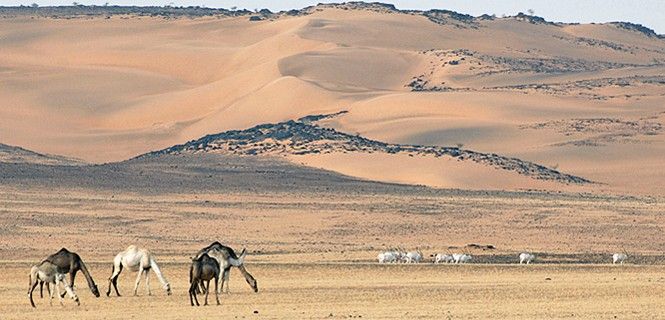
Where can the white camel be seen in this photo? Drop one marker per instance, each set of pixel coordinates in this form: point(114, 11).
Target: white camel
point(136, 259)
point(48, 273)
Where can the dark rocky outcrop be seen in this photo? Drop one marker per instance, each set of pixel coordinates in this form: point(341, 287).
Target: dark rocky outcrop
point(304, 136)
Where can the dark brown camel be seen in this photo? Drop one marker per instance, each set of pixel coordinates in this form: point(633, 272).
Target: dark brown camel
point(70, 262)
point(227, 258)
point(204, 268)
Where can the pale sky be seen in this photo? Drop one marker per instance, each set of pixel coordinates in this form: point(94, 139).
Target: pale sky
point(650, 13)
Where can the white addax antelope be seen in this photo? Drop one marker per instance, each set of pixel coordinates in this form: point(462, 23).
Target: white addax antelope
point(619, 258)
point(387, 257)
point(136, 259)
point(48, 273)
point(413, 257)
point(443, 258)
point(526, 257)
point(461, 258)
point(396, 255)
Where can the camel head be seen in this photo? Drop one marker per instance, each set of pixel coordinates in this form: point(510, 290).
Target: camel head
point(94, 290)
point(252, 283)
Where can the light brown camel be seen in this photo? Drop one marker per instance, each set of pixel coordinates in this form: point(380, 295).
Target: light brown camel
point(49, 273)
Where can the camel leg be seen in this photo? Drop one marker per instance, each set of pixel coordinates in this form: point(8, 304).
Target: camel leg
point(200, 287)
point(226, 275)
point(138, 279)
point(30, 290)
point(147, 281)
point(113, 280)
point(192, 292)
point(51, 293)
point(41, 287)
point(207, 293)
point(72, 277)
point(216, 291)
point(221, 287)
point(57, 289)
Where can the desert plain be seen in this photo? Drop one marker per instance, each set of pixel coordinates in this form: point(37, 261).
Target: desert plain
point(317, 138)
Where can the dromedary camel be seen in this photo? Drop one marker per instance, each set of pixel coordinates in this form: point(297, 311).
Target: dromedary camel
point(203, 269)
point(136, 259)
point(48, 272)
point(70, 262)
point(227, 258)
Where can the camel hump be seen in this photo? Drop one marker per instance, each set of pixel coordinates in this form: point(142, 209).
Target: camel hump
point(215, 244)
point(63, 250)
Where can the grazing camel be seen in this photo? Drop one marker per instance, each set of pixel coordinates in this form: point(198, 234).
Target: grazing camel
point(70, 262)
point(227, 258)
point(48, 273)
point(136, 259)
point(204, 268)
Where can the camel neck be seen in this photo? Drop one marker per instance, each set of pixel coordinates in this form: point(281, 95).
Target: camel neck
point(245, 273)
point(86, 274)
point(158, 272)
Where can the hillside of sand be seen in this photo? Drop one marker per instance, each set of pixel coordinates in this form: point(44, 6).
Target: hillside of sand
point(584, 99)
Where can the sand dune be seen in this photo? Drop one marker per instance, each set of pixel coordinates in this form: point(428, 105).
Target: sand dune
point(109, 89)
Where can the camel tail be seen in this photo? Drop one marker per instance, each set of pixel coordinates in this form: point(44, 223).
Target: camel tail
point(191, 272)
